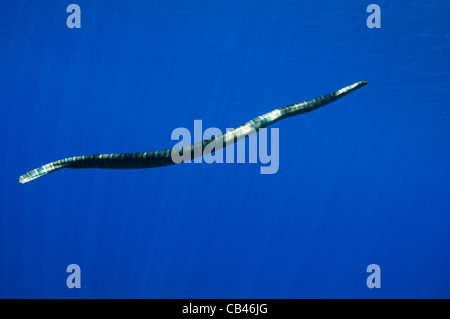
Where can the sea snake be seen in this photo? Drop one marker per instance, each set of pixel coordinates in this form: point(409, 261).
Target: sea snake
point(164, 158)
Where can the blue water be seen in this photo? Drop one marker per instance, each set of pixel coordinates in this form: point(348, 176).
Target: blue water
point(364, 180)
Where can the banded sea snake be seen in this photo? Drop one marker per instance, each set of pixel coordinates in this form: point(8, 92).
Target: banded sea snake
point(164, 158)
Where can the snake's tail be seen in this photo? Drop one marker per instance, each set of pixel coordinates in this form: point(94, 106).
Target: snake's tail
point(42, 170)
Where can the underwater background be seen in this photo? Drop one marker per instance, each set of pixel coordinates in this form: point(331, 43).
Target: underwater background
point(364, 180)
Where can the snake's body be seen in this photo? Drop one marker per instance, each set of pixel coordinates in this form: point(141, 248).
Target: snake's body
point(164, 157)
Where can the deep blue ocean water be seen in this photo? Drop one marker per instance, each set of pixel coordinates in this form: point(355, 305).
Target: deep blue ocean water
point(364, 180)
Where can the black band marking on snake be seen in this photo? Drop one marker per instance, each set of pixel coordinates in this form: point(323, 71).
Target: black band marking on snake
point(164, 158)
